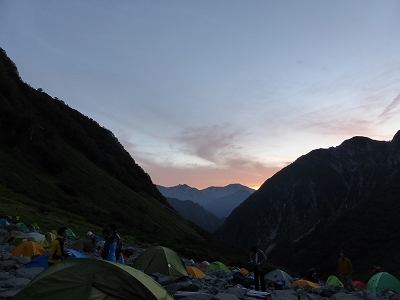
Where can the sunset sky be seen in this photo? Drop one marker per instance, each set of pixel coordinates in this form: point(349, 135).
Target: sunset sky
point(209, 93)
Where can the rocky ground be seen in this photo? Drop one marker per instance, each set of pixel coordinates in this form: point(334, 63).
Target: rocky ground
point(217, 285)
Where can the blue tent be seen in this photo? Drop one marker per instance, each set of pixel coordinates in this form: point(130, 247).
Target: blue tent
point(41, 261)
point(4, 222)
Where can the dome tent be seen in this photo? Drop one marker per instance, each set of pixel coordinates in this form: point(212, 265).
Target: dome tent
point(195, 272)
point(333, 280)
point(279, 275)
point(93, 279)
point(30, 236)
point(382, 281)
point(28, 249)
point(161, 260)
point(304, 283)
point(217, 265)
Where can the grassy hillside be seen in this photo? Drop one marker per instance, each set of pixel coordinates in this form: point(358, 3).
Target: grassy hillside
point(59, 167)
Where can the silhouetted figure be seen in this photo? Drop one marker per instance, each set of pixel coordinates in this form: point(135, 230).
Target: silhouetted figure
point(259, 260)
point(345, 269)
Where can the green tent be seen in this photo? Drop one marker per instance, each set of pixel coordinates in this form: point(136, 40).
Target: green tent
point(161, 260)
point(382, 281)
point(22, 227)
point(70, 232)
point(216, 265)
point(88, 278)
point(333, 280)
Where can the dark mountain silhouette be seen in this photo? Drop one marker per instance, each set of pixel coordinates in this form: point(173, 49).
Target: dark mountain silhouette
point(218, 200)
point(222, 207)
point(59, 166)
point(344, 197)
point(196, 213)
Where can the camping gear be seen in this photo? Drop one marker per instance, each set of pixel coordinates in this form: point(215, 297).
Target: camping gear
point(202, 266)
point(28, 249)
point(257, 294)
point(161, 260)
point(42, 260)
point(30, 236)
point(304, 283)
point(359, 284)
point(70, 232)
point(244, 271)
point(4, 222)
point(83, 245)
point(333, 280)
point(195, 272)
point(89, 278)
point(381, 281)
point(217, 265)
point(279, 275)
point(22, 227)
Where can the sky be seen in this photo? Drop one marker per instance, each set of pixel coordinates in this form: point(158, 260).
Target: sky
point(209, 93)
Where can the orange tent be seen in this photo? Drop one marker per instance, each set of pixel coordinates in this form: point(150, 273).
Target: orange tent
point(195, 272)
point(28, 249)
point(304, 283)
point(244, 271)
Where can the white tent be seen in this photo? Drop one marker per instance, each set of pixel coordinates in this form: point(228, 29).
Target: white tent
point(279, 275)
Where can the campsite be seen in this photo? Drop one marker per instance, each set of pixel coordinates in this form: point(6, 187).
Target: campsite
point(152, 273)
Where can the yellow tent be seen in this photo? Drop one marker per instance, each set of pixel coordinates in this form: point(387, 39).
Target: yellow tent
point(28, 249)
point(195, 272)
point(304, 283)
point(244, 271)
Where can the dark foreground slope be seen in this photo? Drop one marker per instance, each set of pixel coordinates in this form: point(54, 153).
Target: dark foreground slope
point(345, 197)
point(57, 165)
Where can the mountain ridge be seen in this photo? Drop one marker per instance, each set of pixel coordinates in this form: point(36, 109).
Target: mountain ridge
point(308, 198)
point(61, 166)
point(218, 200)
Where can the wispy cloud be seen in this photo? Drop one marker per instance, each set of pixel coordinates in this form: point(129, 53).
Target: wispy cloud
point(387, 112)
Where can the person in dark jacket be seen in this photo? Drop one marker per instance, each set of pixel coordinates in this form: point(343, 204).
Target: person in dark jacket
point(57, 248)
point(259, 260)
point(112, 228)
point(110, 246)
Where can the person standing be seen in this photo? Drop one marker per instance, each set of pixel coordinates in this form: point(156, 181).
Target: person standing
point(110, 246)
point(259, 260)
point(112, 228)
point(345, 269)
point(57, 248)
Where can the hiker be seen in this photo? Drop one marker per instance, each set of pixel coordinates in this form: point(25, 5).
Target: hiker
point(345, 269)
point(112, 228)
point(258, 259)
point(57, 248)
point(110, 246)
point(93, 238)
